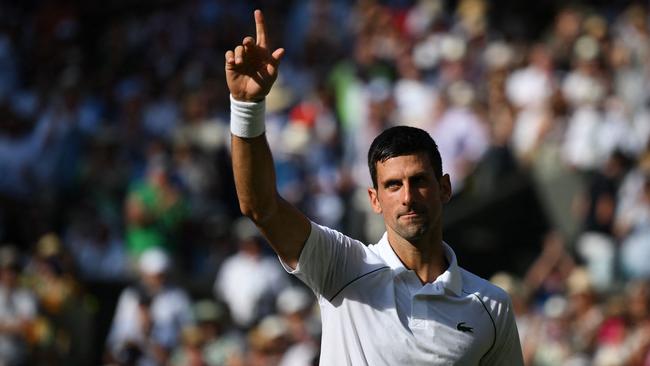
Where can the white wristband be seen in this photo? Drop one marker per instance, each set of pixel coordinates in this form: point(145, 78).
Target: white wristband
point(246, 118)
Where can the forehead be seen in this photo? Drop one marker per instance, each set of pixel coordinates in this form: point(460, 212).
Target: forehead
point(404, 165)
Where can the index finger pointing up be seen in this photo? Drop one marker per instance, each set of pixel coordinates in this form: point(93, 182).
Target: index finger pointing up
point(259, 28)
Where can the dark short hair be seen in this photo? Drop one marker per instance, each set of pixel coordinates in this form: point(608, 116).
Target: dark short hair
point(399, 141)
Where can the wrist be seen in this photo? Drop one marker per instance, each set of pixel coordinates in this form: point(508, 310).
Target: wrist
point(247, 118)
point(242, 98)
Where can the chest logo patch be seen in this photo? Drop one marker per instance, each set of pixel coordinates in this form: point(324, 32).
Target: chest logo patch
point(463, 328)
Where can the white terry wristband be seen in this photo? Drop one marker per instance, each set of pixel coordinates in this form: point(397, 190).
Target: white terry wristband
point(246, 118)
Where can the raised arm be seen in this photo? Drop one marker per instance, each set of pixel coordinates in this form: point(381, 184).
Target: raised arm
point(251, 70)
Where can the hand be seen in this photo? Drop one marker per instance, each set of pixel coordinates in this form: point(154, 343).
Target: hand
point(251, 69)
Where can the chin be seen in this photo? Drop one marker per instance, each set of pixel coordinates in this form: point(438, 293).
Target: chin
point(415, 238)
point(413, 234)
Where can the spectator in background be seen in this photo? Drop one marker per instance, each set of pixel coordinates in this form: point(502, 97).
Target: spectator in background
point(98, 252)
point(215, 339)
point(585, 91)
point(634, 227)
point(596, 245)
point(529, 90)
point(197, 176)
point(198, 141)
point(268, 341)
point(189, 351)
point(584, 311)
point(249, 280)
point(155, 208)
point(552, 343)
point(637, 343)
point(416, 101)
point(149, 315)
point(461, 135)
point(612, 333)
point(18, 311)
point(62, 302)
point(562, 35)
point(197, 128)
point(296, 305)
point(104, 177)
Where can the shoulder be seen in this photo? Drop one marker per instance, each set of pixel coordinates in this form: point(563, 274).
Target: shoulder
point(331, 261)
point(320, 232)
point(348, 246)
point(128, 299)
point(130, 292)
point(325, 238)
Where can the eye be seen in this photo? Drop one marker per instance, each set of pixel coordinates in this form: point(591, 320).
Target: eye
point(419, 180)
point(393, 185)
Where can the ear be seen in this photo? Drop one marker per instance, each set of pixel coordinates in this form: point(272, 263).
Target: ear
point(374, 200)
point(445, 188)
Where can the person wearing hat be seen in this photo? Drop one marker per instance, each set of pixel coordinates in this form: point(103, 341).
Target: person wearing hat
point(403, 301)
point(249, 280)
point(150, 314)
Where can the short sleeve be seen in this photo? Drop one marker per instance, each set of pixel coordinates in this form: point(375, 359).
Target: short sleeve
point(330, 260)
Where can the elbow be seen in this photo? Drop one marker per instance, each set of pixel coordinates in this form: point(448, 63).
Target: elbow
point(251, 213)
point(259, 214)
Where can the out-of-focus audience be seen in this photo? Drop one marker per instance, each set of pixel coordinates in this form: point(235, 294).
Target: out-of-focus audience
point(249, 280)
point(122, 242)
point(150, 316)
point(18, 310)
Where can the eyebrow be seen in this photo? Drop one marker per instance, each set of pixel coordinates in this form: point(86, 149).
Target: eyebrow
point(419, 175)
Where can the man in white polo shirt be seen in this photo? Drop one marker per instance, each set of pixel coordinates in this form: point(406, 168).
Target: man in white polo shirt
point(402, 301)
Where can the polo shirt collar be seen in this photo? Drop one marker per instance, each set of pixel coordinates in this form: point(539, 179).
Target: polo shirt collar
point(450, 279)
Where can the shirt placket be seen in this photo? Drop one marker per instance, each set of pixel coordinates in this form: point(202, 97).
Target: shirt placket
point(420, 321)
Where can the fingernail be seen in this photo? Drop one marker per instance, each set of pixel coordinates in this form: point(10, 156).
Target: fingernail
point(238, 59)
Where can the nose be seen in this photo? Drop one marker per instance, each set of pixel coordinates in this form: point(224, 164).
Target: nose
point(407, 194)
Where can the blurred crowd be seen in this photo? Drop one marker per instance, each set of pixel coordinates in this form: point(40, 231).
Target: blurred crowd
point(114, 168)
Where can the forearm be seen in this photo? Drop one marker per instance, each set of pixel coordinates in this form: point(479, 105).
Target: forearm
point(285, 228)
point(254, 177)
point(251, 69)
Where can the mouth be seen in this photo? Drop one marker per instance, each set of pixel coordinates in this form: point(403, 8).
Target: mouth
point(411, 215)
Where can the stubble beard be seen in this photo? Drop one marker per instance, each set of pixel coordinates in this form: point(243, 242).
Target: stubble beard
point(412, 231)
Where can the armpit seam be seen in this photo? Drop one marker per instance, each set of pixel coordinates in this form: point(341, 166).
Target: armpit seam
point(356, 279)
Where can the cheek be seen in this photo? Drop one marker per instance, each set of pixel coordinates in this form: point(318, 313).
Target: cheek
point(386, 202)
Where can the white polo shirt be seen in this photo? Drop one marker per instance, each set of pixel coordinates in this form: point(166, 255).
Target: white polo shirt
point(377, 312)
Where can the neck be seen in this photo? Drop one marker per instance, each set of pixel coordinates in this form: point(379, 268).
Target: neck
point(425, 257)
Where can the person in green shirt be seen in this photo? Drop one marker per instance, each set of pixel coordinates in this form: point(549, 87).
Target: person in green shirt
point(155, 210)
